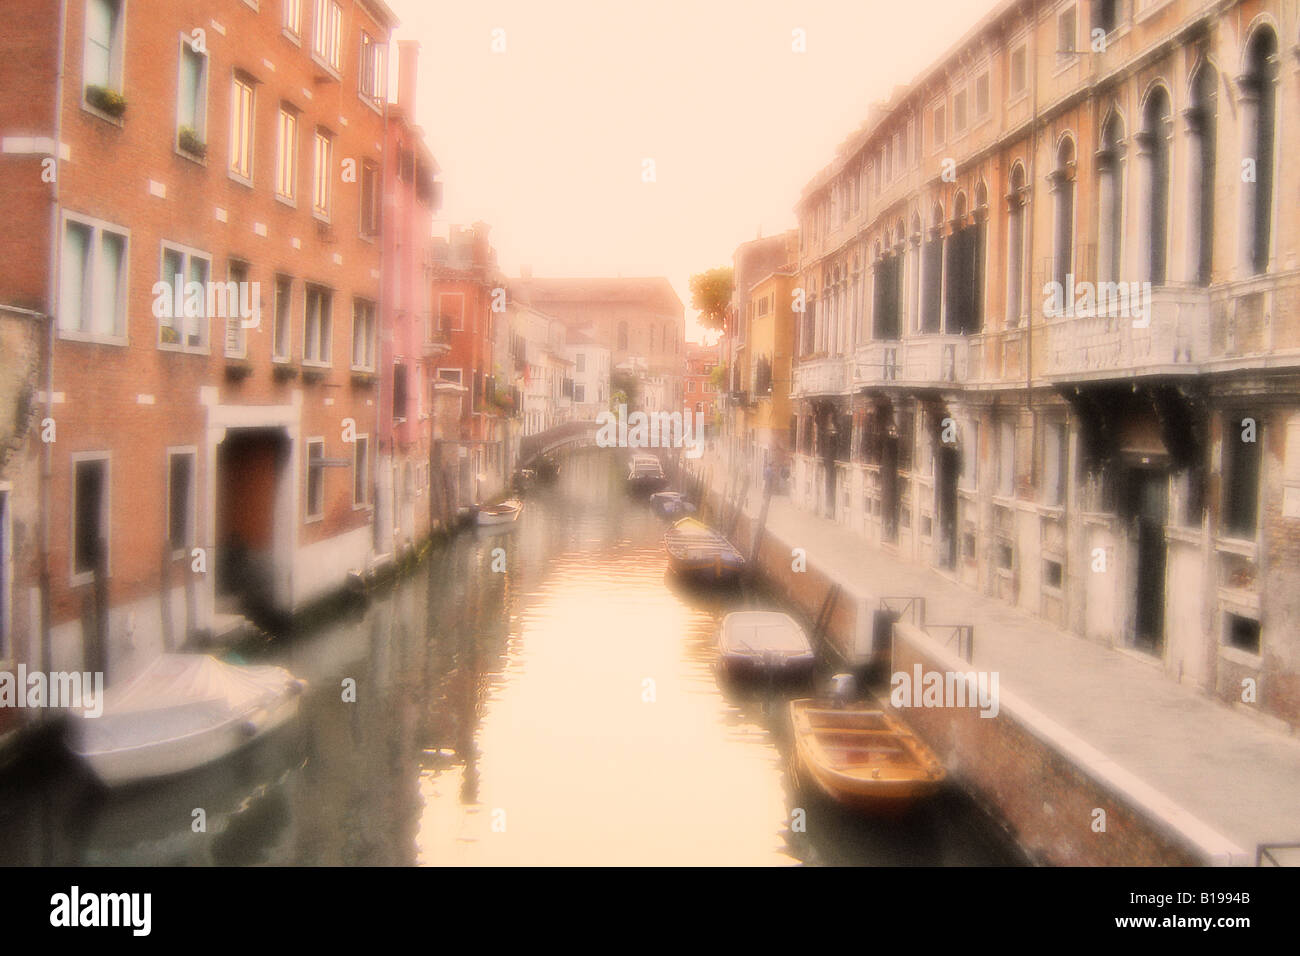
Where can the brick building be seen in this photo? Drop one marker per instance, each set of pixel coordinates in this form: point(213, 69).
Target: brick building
point(411, 343)
point(1052, 341)
point(214, 454)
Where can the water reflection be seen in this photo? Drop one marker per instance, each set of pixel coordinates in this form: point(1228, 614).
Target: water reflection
point(562, 709)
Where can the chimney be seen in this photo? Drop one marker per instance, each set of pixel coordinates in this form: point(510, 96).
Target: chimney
point(408, 59)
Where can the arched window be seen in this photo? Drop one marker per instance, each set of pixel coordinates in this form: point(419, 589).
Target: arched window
point(1258, 102)
point(962, 266)
point(1016, 198)
point(1202, 130)
point(1153, 151)
point(1062, 182)
point(932, 267)
point(1110, 200)
point(622, 336)
point(914, 276)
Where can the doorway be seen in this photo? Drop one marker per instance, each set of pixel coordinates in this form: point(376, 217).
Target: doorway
point(251, 468)
point(1148, 506)
point(947, 467)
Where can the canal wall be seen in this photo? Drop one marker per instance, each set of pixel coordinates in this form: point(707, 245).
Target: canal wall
point(1043, 783)
point(1047, 785)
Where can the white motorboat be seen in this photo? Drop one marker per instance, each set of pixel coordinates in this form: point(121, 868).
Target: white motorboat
point(764, 642)
point(182, 712)
point(502, 513)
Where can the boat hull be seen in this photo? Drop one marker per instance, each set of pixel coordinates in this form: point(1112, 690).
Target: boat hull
point(123, 766)
point(866, 760)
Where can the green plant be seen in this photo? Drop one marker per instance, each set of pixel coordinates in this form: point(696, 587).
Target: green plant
point(106, 99)
point(189, 141)
point(169, 336)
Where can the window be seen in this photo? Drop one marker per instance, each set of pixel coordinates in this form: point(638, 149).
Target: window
point(180, 501)
point(237, 295)
point(361, 472)
point(1105, 15)
point(1006, 483)
point(451, 311)
point(1054, 471)
point(959, 112)
point(940, 126)
point(182, 323)
point(323, 168)
point(1240, 479)
point(1067, 32)
point(970, 445)
point(1241, 633)
point(400, 392)
point(192, 98)
point(372, 72)
point(454, 375)
point(579, 392)
point(90, 524)
point(1053, 574)
point(293, 17)
point(1062, 182)
point(282, 329)
point(1258, 98)
point(1019, 77)
point(363, 335)
point(326, 42)
point(1156, 158)
point(241, 129)
point(286, 155)
point(315, 478)
point(369, 198)
point(102, 66)
point(92, 281)
point(317, 326)
point(982, 95)
point(580, 362)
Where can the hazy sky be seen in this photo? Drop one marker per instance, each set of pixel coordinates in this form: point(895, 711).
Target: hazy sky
point(545, 141)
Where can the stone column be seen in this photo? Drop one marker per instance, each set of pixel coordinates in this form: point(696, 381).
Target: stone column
point(1248, 113)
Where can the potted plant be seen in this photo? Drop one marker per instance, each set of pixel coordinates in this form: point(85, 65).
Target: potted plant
point(106, 100)
point(169, 336)
point(189, 141)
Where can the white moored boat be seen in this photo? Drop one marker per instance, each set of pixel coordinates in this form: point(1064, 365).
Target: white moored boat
point(764, 642)
point(181, 712)
point(501, 513)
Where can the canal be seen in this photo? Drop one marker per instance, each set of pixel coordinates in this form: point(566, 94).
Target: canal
point(536, 695)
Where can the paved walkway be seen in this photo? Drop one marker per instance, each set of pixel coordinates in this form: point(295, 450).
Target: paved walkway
point(1235, 773)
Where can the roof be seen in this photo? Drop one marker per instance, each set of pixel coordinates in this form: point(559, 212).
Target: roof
point(650, 290)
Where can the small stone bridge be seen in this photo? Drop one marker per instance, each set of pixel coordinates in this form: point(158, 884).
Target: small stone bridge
point(569, 434)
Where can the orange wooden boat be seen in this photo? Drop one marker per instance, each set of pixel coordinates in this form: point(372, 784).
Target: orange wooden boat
point(862, 756)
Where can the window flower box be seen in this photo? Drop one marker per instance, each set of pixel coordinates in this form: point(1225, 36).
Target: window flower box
point(106, 100)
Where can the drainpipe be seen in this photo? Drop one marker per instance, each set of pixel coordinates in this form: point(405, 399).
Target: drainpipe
point(52, 300)
point(384, 271)
point(1029, 226)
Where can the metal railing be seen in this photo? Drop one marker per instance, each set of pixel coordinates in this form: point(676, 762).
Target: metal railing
point(1264, 851)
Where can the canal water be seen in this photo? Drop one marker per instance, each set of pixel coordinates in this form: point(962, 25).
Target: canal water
point(542, 694)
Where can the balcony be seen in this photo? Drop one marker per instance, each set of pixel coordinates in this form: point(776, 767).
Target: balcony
point(935, 360)
point(823, 376)
point(877, 363)
point(1175, 340)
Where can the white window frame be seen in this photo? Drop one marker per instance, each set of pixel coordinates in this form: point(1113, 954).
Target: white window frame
point(361, 472)
point(310, 516)
point(287, 354)
point(235, 164)
point(372, 71)
point(458, 380)
point(324, 343)
point(978, 115)
point(77, 578)
point(366, 307)
point(322, 173)
point(241, 335)
point(187, 253)
point(327, 35)
point(291, 22)
point(191, 517)
point(1015, 92)
point(201, 100)
point(116, 56)
point(97, 227)
point(1066, 58)
point(286, 154)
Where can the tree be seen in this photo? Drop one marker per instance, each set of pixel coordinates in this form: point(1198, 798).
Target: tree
point(711, 294)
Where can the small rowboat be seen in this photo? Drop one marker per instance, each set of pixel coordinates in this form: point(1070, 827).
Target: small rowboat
point(862, 756)
point(670, 503)
point(698, 553)
point(764, 643)
point(501, 513)
point(181, 712)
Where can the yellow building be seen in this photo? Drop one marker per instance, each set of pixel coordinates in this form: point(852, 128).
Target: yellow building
point(762, 413)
